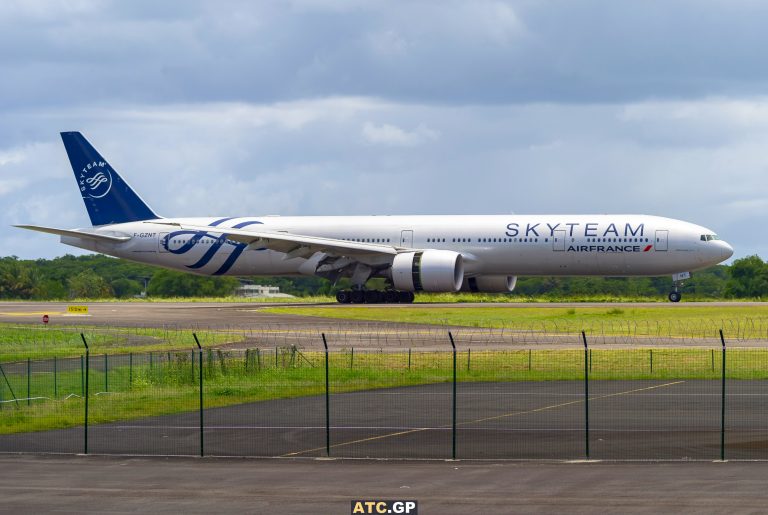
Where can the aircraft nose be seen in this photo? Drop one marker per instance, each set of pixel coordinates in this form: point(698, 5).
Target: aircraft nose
point(725, 250)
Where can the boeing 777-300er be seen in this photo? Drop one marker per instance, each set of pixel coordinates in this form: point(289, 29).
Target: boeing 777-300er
point(412, 253)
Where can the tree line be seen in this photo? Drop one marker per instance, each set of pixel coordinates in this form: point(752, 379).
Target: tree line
point(101, 277)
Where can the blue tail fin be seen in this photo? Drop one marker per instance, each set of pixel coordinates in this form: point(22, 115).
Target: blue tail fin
point(107, 196)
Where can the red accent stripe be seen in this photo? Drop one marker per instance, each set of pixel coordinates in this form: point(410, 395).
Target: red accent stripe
point(649, 247)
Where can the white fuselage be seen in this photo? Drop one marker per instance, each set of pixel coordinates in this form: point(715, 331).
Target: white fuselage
point(515, 245)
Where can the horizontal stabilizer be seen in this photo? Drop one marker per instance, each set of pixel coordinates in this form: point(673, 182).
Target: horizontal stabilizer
point(114, 237)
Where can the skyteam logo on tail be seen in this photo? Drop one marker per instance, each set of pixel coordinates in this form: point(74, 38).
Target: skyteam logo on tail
point(95, 179)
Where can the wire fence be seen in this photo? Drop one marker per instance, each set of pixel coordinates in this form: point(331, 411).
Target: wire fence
point(582, 401)
point(373, 335)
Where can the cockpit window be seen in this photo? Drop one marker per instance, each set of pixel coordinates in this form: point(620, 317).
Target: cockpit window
point(709, 237)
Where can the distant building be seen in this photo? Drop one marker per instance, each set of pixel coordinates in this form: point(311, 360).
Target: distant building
point(257, 290)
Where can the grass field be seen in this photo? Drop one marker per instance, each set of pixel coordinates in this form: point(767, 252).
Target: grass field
point(19, 342)
point(742, 321)
point(134, 387)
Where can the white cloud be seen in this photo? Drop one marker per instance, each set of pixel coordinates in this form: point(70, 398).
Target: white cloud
point(388, 43)
point(744, 113)
point(387, 134)
point(10, 185)
point(12, 156)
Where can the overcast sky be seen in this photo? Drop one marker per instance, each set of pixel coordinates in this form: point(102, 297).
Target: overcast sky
point(313, 107)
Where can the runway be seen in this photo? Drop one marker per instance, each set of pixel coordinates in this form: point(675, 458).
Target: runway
point(48, 484)
point(628, 420)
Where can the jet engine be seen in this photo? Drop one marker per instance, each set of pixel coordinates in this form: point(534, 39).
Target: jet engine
point(429, 270)
point(490, 283)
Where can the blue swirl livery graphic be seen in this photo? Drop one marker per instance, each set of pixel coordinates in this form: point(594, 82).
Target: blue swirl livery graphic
point(212, 249)
point(95, 179)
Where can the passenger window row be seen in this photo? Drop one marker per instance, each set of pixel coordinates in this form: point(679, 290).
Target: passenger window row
point(616, 240)
point(367, 240)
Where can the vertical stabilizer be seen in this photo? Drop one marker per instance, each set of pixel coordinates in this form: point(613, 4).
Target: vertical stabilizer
point(107, 197)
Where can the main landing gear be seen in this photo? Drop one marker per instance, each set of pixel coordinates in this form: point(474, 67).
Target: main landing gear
point(374, 297)
point(675, 295)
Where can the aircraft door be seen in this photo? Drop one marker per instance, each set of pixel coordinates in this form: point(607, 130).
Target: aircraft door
point(662, 241)
point(406, 239)
point(162, 243)
point(558, 241)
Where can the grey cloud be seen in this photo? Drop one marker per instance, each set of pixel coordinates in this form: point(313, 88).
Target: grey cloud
point(338, 107)
point(424, 52)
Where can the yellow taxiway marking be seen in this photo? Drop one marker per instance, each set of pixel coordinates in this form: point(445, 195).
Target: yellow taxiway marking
point(514, 414)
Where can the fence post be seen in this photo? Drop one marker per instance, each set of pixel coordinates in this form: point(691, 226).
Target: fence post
point(722, 404)
point(651, 361)
point(453, 420)
point(529, 360)
point(55, 377)
point(106, 373)
point(352, 359)
point(327, 403)
point(29, 381)
point(82, 376)
point(200, 351)
point(586, 393)
point(87, 369)
point(469, 354)
point(9, 386)
point(409, 358)
point(258, 359)
point(130, 370)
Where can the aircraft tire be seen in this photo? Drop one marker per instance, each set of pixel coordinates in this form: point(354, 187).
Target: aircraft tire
point(373, 297)
point(391, 296)
point(675, 296)
point(343, 297)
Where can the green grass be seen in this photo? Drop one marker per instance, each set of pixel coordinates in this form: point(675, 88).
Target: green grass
point(743, 321)
point(169, 386)
point(19, 342)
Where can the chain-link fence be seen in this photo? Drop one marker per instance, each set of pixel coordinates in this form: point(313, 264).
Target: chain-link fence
point(567, 402)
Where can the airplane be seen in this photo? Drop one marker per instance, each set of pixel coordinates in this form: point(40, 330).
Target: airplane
point(481, 253)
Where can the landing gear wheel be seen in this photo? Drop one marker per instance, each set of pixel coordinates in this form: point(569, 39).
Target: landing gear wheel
point(675, 296)
point(391, 296)
point(406, 297)
point(373, 297)
point(357, 296)
point(343, 297)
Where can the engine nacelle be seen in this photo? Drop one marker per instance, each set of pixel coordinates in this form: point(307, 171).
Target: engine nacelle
point(430, 270)
point(490, 283)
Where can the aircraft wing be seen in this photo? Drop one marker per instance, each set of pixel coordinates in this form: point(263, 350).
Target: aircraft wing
point(296, 245)
point(86, 235)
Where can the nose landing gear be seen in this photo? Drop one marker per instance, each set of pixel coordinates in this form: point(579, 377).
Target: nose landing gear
point(675, 295)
